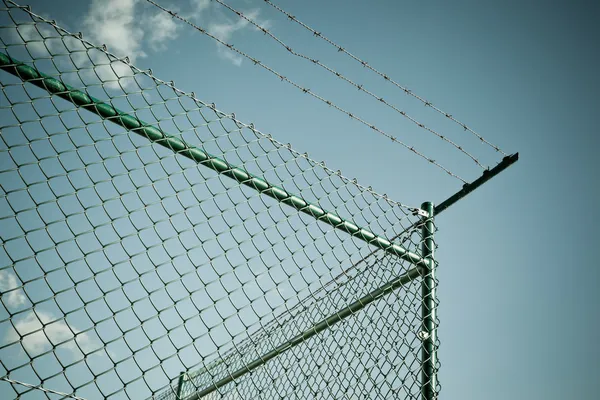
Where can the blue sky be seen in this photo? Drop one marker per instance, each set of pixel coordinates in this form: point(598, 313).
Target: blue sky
point(518, 283)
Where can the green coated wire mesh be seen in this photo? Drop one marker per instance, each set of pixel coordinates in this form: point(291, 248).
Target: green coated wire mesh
point(153, 246)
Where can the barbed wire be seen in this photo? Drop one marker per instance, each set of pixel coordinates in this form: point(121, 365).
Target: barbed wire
point(351, 82)
point(221, 114)
point(174, 276)
point(40, 388)
point(365, 64)
point(306, 90)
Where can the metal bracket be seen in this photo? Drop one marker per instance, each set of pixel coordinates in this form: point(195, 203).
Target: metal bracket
point(421, 213)
point(469, 187)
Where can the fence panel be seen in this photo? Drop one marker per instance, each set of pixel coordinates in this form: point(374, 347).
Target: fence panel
point(145, 233)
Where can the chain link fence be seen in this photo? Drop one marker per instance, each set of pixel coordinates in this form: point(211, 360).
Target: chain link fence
point(153, 246)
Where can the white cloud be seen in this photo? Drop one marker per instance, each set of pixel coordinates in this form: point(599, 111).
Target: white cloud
point(266, 24)
point(163, 29)
point(230, 55)
point(37, 340)
point(124, 27)
point(199, 6)
point(115, 24)
point(36, 38)
point(225, 30)
point(12, 296)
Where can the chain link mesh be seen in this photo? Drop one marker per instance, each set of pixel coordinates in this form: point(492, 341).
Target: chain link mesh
point(131, 268)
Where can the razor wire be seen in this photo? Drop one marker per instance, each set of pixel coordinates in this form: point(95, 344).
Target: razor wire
point(360, 87)
point(386, 77)
point(308, 91)
point(142, 236)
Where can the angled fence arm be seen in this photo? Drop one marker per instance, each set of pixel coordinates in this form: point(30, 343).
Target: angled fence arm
point(470, 187)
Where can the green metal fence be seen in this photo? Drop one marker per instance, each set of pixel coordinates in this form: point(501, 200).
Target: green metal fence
point(153, 246)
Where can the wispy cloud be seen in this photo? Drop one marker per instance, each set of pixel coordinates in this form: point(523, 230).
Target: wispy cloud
point(130, 30)
point(224, 30)
point(122, 26)
point(35, 340)
point(34, 36)
point(198, 7)
point(114, 23)
point(10, 290)
point(164, 29)
point(40, 330)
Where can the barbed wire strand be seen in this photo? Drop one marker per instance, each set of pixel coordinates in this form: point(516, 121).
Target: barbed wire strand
point(409, 92)
point(351, 82)
point(306, 90)
point(221, 114)
point(226, 224)
point(40, 388)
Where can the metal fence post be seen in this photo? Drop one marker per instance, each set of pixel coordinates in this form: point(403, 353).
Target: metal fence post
point(428, 332)
point(180, 384)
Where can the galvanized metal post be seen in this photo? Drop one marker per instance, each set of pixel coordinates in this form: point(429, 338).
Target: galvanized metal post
point(180, 385)
point(428, 309)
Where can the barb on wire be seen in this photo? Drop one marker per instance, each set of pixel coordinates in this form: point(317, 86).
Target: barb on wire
point(306, 90)
point(365, 64)
point(40, 388)
point(351, 82)
point(146, 276)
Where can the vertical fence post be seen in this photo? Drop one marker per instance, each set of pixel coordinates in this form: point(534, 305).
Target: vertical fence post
point(428, 332)
point(180, 385)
